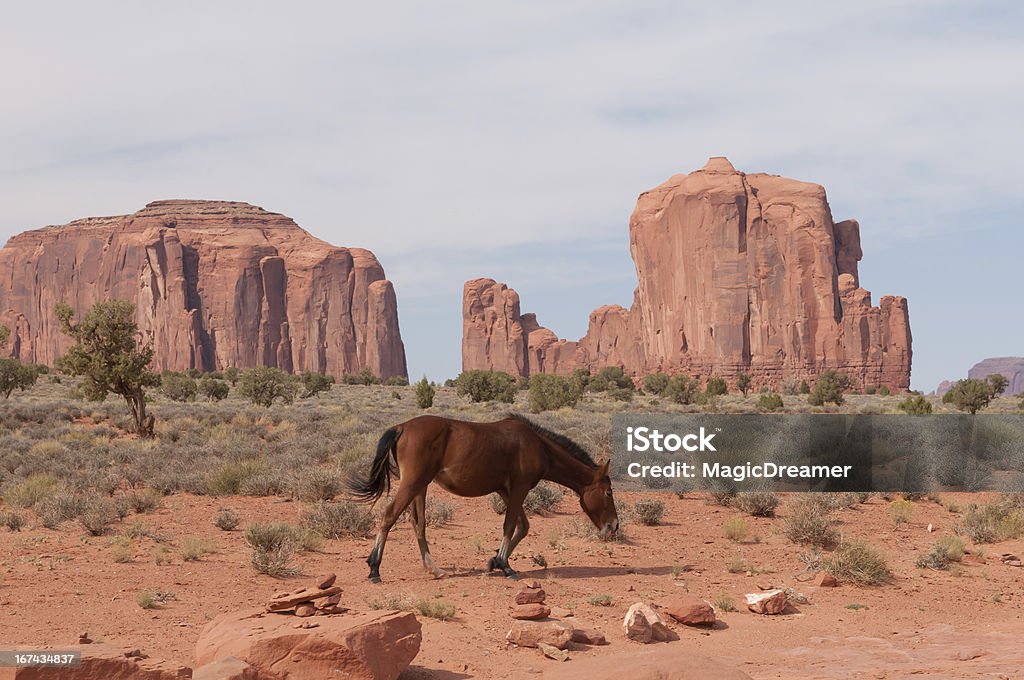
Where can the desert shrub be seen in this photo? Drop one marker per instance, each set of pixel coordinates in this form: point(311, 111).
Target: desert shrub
point(870, 389)
point(549, 392)
point(621, 394)
point(542, 498)
point(803, 387)
point(435, 609)
point(213, 389)
point(610, 378)
point(122, 550)
point(743, 382)
point(314, 383)
point(857, 562)
point(600, 600)
point(724, 602)
point(264, 385)
point(98, 513)
point(31, 490)
point(998, 521)
point(915, 405)
point(649, 511)
point(656, 383)
point(193, 548)
point(226, 519)
point(681, 389)
point(363, 377)
point(424, 393)
point(970, 395)
point(716, 387)
point(315, 484)
point(945, 550)
point(582, 527)
point(338, 520)
point(178, 386)
point(439, 512)
point(737, 529)
point(997, 383)
point(232, 374)
point(228, 479)
point(807, 523)
point(884, 391)
point(770, 401)
point(273, 547)
point(829, 388)
point(900, 511)
point(151, 599)
point(482, 386)
point(15, 375)
point(497, 504)
point(59, 507)
point(756, 503)
point(12, 520)
point(145, 500)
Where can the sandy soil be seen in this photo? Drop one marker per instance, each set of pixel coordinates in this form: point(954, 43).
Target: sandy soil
point(964, 623)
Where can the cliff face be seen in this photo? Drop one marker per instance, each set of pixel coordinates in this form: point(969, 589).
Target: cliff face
point(214, 284)
point(1011, 368)
point(735, 272)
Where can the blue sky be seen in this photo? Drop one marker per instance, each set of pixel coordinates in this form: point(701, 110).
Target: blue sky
point(464, 139)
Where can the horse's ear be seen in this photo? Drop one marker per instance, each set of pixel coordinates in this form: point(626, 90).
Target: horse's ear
point(602, 470)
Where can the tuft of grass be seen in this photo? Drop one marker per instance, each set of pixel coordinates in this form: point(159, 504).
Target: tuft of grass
point(724, 602)
point(946, 550)
point(736, 565)
point(808, 523)
point(857, 562)
point(160, 555)
point(193, 548)
point(98, 514)
point(435, 609)
point(900, 511)
point(854, 606)
point(338, 520)
point(737, 529)
point(602, 600)
point(31, 491)
point(756, 503)
point(59, 507)
point(497, 504)
point(649, 511)
point(391, 601)
point(273, 547)
point(146, 500)
point(1002, 520)
point(542, 498)
point(122, 550)
point(151, 599)
point(439, 512)
point(226, 519)
point(12, 520)
point(229, 478)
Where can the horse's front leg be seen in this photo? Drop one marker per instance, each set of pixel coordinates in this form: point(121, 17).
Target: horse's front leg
point(513, 510)
point(404, 496)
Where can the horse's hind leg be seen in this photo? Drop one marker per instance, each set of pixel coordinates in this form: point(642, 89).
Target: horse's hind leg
point(395, 508)
point(522, 528)
point(418, 515)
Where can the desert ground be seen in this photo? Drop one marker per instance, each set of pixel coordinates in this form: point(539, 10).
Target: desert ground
point(156, 571)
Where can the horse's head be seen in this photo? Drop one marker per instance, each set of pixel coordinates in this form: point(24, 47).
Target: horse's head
point(597, 501)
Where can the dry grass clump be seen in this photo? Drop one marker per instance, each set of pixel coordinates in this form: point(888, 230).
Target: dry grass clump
point(648, 511)
point(756, 503)
point(98, 513)
point(273, 547)
point(857, 562)
point(226, 519)
point(737, 529)
point(193, 548)
point(12, 520)
point(1002, 520)
point(439, 512)
point(338, 520)
point(944, 551)
point(807, 522)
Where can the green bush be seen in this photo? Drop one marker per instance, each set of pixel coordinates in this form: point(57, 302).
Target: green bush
point(682, 389)
point(229, 478)
point(178, 386)
point(363, 377)
point(884, 391)
point(969, 395)
point(610, 378)
point(273, 547)
point(482, 386)
point(656, 383)
point(915, 405)
point(264, 385)
point(743, 382)
point(716, 387)
point(226, 519)
point(314, 383)
point(338, 520)
point(424, 393)
point(15, 375)
point(804, 388)
point(32, 490)
point(213, 389)
point(946, 550)
point(998, 521)
point(397, 381)
point(770, 401)
point(649, 511)
point(829, 388)
point(549, 392)
point(859, 563)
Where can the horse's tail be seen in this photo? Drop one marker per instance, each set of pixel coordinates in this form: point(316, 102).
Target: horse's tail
point(367, 489)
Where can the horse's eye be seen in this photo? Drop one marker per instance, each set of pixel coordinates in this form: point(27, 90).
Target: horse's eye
point(608, 493)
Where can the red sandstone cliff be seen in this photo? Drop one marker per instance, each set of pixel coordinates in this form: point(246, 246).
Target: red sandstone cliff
point(214, 284)
point(735, 272)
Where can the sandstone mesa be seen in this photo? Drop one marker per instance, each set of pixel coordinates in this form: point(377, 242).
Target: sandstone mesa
point(736, 272)
point(215, 284)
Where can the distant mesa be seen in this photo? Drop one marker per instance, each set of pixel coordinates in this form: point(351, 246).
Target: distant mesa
point(215, 284)
point(735, 272)
point(1011, 368)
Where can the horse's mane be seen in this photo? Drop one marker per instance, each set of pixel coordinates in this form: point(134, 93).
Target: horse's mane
point(574, 449)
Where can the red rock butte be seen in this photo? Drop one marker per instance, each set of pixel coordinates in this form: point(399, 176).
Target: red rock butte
point(735, 272)
point(215, 284)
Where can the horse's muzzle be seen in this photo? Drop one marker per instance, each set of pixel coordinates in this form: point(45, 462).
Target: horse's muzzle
point(609, 528)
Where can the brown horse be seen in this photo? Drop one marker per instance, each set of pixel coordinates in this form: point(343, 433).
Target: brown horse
point(508, 457)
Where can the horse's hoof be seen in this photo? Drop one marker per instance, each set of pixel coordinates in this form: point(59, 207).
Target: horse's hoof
point(374, 578)
point(511, 573)
point(439, 573)
point(492, 564)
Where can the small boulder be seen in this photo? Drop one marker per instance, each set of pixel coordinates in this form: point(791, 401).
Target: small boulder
point(530, 596)
point(326, 581)
point(643, 624)
point(553, 652)
point(588, 636)
point(533, 633)
point(530, 612)
point(228, 668)
point(769, 602)
point(560, 612)
point(825, 580)
point(690, 610)
point(280, 604)
point(305, 609)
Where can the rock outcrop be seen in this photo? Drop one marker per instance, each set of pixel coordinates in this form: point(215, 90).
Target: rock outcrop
point(215, 284)
point(736, 272)
point(1011, 368)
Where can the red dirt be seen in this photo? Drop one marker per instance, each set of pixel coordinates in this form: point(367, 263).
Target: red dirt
point(964, 623)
